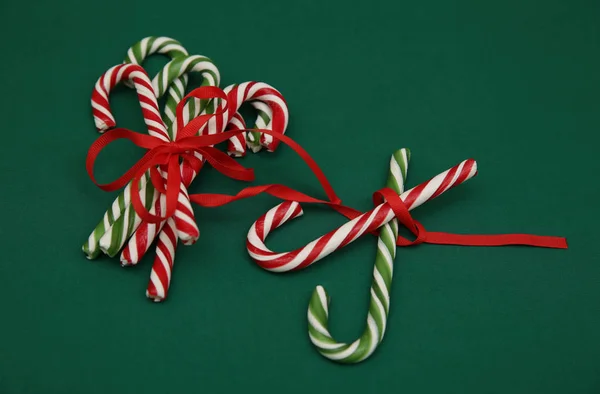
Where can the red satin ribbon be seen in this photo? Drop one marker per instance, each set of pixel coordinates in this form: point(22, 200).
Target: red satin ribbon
point(167, 157)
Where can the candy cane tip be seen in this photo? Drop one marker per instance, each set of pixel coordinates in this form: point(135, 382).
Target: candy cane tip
point(406, 150)
point(89, 255)
point(321, 293)
point(103, 126)
point(236, 153)
point(154, 297)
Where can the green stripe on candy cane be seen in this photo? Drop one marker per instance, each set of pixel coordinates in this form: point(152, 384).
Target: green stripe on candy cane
point(151, 45)
point(115, 237)
point(262, 122)
point(178, 68)
point(91, 247)
point(318, 311)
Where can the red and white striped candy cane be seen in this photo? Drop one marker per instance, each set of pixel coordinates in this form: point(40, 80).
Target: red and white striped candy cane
point(118, 226)
point(103, 117)
point(160, 278)
point(184, 217)
point(337, 239)
point(236, 95)
point(260, 93)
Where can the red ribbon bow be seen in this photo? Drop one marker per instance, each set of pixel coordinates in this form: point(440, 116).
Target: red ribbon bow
point(167, 156)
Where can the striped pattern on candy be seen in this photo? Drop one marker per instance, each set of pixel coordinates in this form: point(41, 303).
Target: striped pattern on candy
point(151, 45)
point(103, 117)
point(144, 235)
point(174, 77)
point(379, 306)
point(160, 278)
point(169, 76)
point(104, 120)
point(259, 92)
point(135, 55)
point(173, 49)
point(121, 229)
point(334, 240)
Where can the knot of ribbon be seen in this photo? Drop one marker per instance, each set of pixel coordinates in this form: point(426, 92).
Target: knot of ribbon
point(164, 157)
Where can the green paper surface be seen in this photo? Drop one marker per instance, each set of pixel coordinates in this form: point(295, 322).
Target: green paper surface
point(513, 84)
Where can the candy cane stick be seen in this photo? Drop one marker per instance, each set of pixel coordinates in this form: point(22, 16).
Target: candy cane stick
point(379, 307)
point(160, 277)
point(337, 239)
point(104, 120)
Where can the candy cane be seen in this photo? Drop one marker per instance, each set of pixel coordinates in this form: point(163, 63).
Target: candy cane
point(104, 120)
point(337, 239)
point(175, 73)
point(136, 55)
point(379, 307)
point(173, 77)
point(258, 92)
point(160, 277)
point(148, 46)
point(103, 117)
point(163, 263)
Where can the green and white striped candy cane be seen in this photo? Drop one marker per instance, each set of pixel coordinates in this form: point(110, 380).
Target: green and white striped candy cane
point(318, 312)
point(173, 71)
point(118, 211)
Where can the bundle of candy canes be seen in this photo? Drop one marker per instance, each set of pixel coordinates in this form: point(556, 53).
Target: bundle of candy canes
point(121, 228)
point(155, 208)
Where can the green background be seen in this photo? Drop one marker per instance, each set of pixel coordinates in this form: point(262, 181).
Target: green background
point(513, 84)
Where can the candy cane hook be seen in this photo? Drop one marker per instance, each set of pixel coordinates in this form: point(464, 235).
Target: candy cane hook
point(379, 307)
